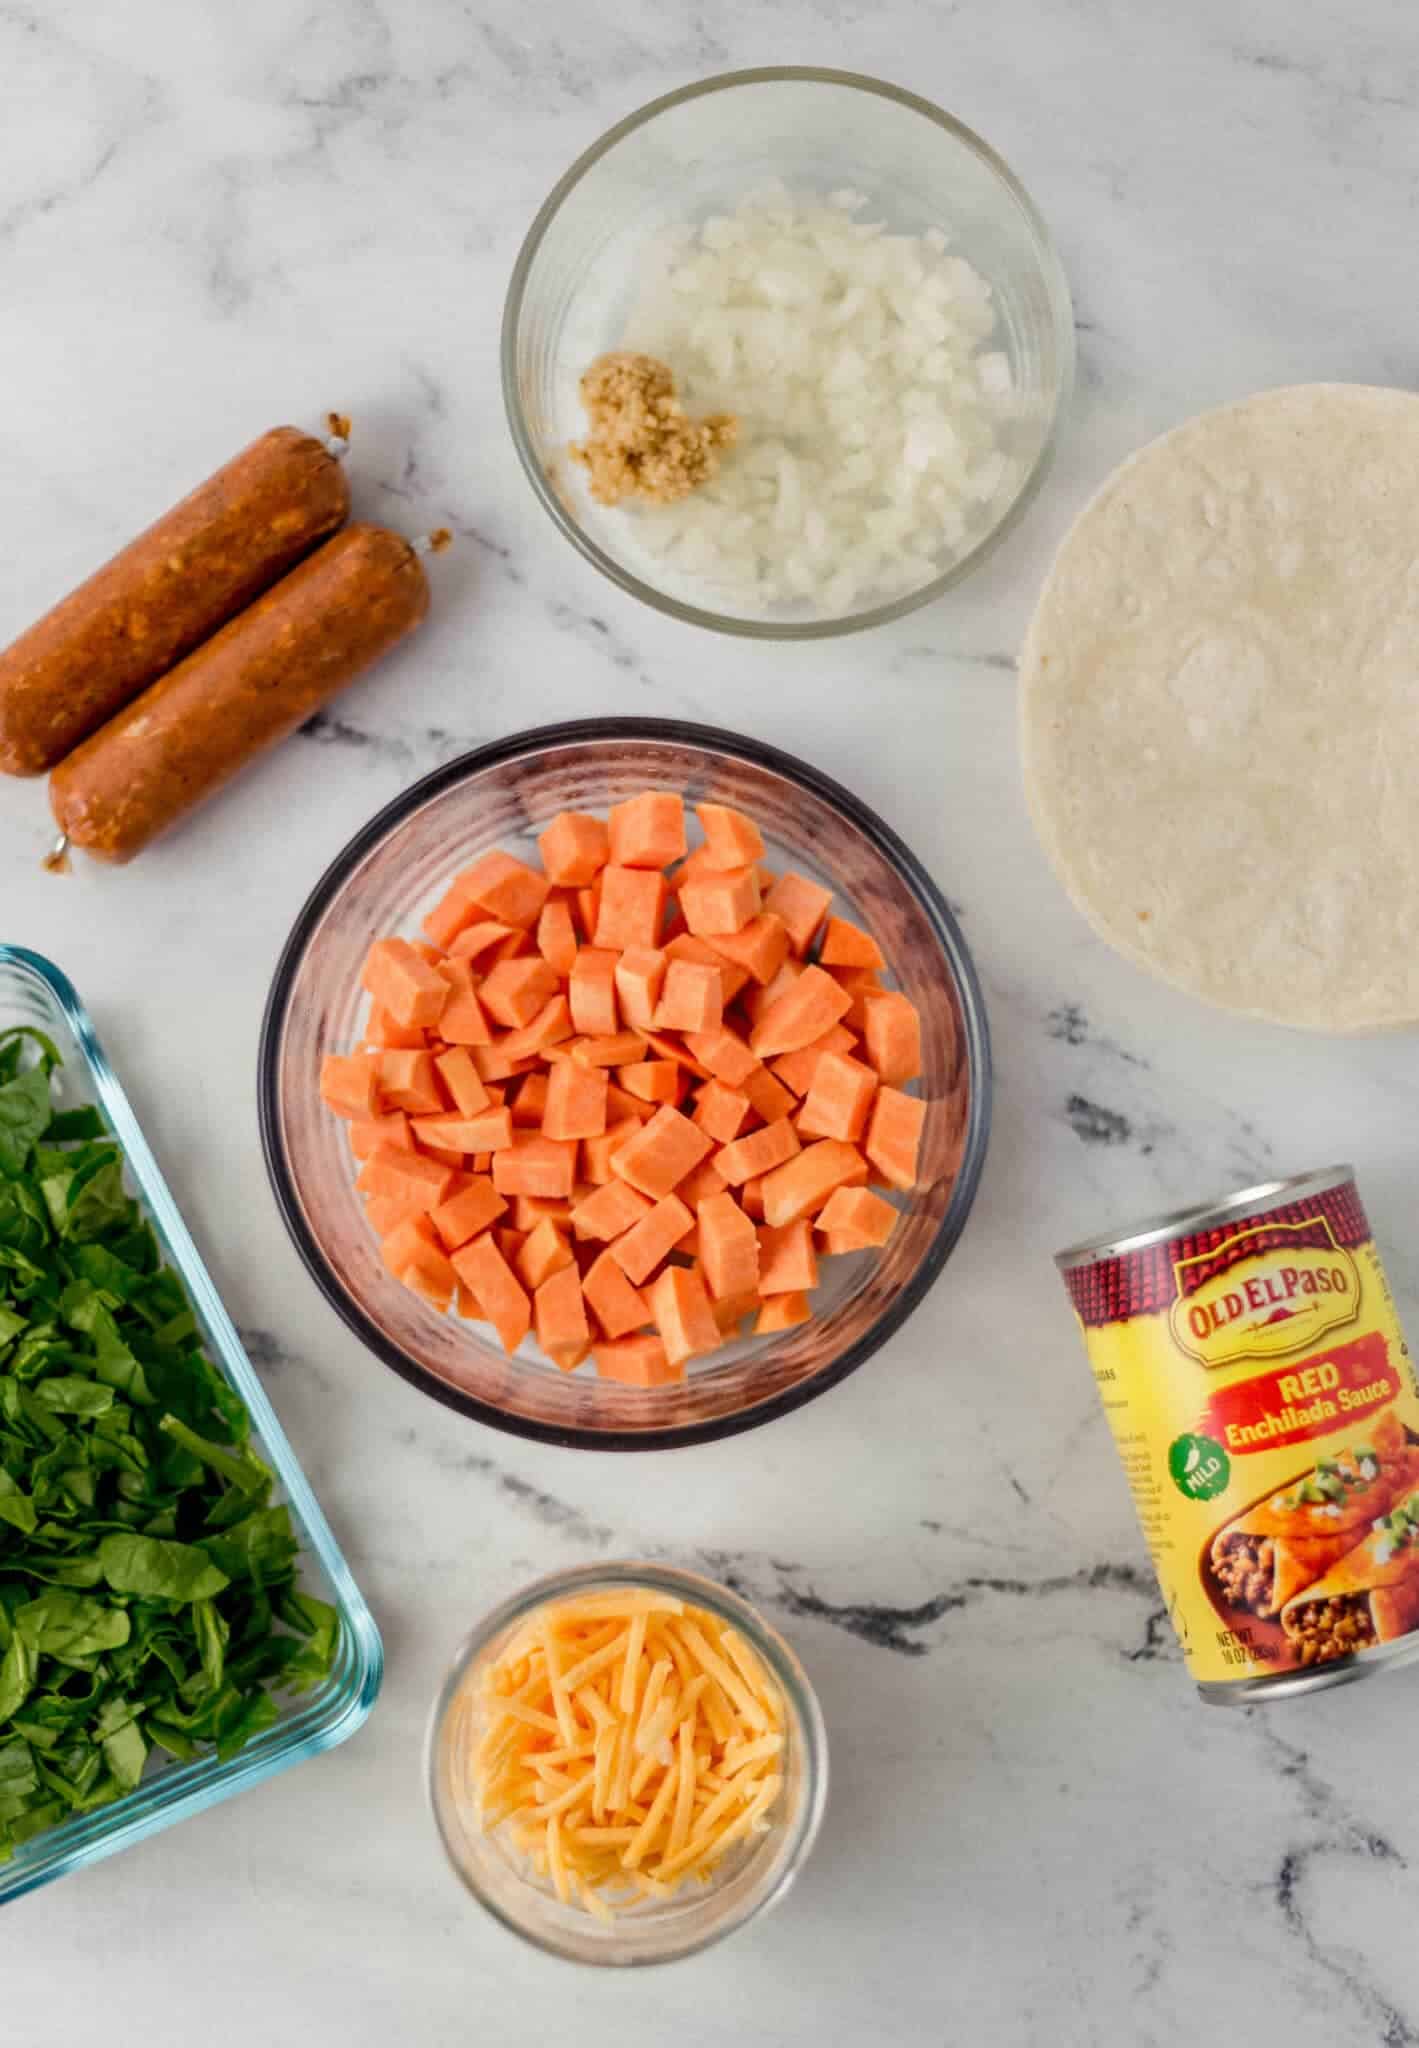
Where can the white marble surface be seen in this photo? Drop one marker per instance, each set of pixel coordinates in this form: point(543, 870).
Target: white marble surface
point(213, 217)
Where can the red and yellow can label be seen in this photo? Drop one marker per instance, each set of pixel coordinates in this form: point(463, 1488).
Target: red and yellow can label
point(1264, 1403)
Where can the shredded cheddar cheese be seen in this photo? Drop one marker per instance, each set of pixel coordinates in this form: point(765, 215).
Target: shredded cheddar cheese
point(627, 1743)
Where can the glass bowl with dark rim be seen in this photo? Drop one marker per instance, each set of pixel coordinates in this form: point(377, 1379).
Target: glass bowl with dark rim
point(391, 874)
point(698, 152)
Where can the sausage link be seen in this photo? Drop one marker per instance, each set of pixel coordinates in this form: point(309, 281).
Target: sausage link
point(200, 565)
point(243, 691)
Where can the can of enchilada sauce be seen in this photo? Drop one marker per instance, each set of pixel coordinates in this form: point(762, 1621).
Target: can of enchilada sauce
point(1263, 1400)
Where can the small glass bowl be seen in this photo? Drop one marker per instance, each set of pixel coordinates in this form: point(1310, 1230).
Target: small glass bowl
point(656, 1931)
point(697, 152)
point(394, 871)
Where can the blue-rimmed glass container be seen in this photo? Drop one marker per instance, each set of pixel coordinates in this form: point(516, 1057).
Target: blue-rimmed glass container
point(34, 992)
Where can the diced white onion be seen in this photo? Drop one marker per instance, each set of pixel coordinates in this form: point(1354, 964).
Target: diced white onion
point(871, 410)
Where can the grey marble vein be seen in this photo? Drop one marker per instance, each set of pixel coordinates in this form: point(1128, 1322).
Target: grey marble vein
point(1094, 1124)
point(1333, 1833)
point(910, 1630)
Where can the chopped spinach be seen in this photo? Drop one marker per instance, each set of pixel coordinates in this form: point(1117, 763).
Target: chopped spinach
point(149, 1597)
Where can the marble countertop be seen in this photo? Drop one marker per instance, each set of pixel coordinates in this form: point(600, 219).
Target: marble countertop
point(216, 217)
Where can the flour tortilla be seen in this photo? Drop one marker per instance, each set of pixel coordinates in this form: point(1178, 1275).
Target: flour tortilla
point(1220, 700)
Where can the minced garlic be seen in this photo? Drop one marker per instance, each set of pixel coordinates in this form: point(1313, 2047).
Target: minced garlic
point(641, 443)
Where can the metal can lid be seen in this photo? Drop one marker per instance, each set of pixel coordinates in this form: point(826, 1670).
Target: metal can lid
point(1183, 1222)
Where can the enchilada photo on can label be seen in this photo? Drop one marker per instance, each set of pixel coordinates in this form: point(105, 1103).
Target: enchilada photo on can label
point(1263, 1400)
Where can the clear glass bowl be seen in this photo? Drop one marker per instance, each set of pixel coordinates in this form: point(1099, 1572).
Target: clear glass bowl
point(33, 991)
point(392, 873)
point(655, 1932)
point(698, 152)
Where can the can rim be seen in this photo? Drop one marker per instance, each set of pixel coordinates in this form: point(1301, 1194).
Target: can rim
point(1179, 1222)
point(1289, 1685)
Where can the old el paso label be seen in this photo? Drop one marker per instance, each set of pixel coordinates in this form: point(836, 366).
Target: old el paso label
point(1276, 1494)
point(1314, 1397)
point(1263, 1304)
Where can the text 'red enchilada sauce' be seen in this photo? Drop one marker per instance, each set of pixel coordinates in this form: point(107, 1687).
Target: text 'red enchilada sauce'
point(1263, 1400)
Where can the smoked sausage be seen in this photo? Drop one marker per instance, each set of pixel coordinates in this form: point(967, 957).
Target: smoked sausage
point(243, 691)
point(166, 592)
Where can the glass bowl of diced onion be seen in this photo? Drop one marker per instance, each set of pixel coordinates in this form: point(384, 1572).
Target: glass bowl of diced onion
point(855, 277)
point(699, 1706)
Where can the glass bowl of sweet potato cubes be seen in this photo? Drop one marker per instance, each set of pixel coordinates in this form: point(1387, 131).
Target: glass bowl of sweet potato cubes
point(625, 1083)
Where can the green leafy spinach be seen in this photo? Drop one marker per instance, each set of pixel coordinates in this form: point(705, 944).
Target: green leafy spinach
point(149, 1595)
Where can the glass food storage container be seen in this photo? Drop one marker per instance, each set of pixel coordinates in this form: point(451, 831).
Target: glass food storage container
point(34, 992)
